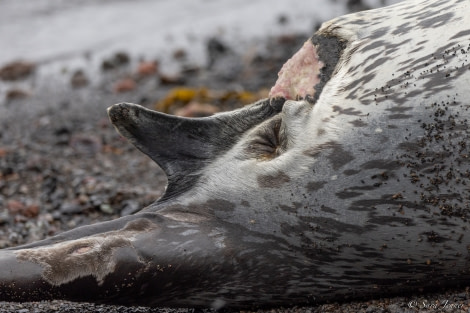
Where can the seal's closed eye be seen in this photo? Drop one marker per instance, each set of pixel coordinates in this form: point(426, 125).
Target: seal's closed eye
point(266, 142)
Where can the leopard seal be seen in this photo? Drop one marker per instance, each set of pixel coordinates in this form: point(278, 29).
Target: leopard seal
point(350, 181)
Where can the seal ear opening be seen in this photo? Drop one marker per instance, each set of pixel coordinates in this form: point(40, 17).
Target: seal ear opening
point(183, 146)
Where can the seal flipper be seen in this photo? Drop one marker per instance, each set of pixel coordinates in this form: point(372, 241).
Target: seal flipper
point(118, 262)
point(183, 146)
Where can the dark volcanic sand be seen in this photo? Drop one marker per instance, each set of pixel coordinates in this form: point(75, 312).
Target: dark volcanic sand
point(63, 165)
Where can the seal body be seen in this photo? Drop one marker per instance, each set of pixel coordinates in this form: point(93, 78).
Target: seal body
point(361, 189)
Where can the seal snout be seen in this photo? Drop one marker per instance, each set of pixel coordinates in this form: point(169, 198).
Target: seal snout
point(121, 112)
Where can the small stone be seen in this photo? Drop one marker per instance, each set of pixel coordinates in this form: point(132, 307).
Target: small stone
point(147, 68)
point(70, 208)
point(190, 69)
point(31, 211)
point(17, 70)
point(83, 198)
point(79, 79)
point(179, 54)
point(395, 308)
point(3, 243)
point(86, 144)
point(15, 206)
point(16, 94)
point(124, 85)
point(24, 189)
point(286, 39)
point(106, 208)
point(119, 59)
point(107, 65)
point(372, 309)
point(97, 199)
point(3, 217)
point(215, 48)
point(62, 134)
point(171, 80)
point(282, 19)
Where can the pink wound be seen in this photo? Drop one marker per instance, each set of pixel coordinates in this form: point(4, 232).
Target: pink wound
point(299, 74)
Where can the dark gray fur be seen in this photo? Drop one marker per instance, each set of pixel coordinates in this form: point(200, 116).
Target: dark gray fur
point(330, 48)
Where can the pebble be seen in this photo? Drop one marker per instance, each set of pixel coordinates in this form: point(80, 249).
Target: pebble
point(106, 208)
point(85, 144)
point(4, 217)
point(215, 49)
point(282, 19)
point(224, 61)
point(70, 208)
point(166, 80)
point(79, 79)
point(17, 70)
point(83, 199)
point(179, 54)
point(18, 207)
point(16, 94)
point(31, 211)
point(124, 85)
point(15, 206)
point(147, 68)
point(117, 60)
point(462, 295)
point(396, 308)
